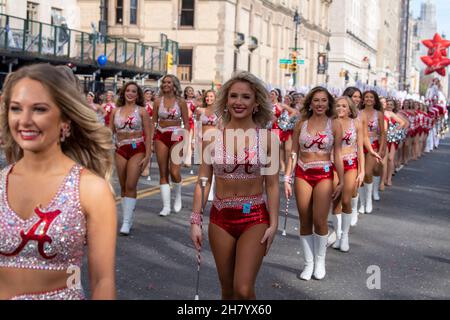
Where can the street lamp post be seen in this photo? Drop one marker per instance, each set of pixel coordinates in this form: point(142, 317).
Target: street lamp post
point(328, 49)
point(297, 20)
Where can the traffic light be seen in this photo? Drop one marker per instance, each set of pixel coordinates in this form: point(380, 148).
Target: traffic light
point(294, 62)
point(169, 61)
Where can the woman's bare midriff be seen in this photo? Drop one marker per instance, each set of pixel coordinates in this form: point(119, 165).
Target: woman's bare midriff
point(169, 123)
point(18, 281)
point(128, 135)
point(347, 150)
point(314, 157)
point(226, 188)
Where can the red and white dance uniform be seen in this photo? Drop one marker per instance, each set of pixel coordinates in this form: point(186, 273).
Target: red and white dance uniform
point(108, 107)
point(168, 135)
point(322, 142)
point(285, 134)
point(349, 140)
point(212, 120)
point(237, 214)
point(374, 131)
point(412, 124)
point(127, 148)
point(192, 107)
point(277, 113)
point(149, 109)
point(52, 239)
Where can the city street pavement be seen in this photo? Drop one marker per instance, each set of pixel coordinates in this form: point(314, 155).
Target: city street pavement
point(407, 237)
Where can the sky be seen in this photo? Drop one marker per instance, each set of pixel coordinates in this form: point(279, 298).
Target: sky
point(442, 11)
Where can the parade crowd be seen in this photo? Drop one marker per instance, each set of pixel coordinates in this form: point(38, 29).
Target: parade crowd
point(334, 154)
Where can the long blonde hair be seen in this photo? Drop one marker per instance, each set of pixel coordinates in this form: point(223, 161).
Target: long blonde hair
point(264, 114)
point(89, 144)
point(176, 85)
point(351, 105)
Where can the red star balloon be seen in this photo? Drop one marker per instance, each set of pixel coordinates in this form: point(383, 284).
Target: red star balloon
point(437, 44)
point(436, 63)
point(437, 59)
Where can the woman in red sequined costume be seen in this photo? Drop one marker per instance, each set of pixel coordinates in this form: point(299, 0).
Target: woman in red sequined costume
point(278, 108)
point(170, 112)
point(315, 138)
point(393, 126)
point(372, 119)
point(206, 119)
point(133, 131)
point(189, 96)
point(242, 226)
point(108, 106)
point(148, 105)
point(60, 161)
point(345, 213)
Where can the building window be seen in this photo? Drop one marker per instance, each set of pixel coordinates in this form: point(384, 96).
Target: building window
point(56, 16)
point(3, 6)
point(187, 13)
point(32, 14)
point(119, 11)
point(133, 11)
point(184, 69)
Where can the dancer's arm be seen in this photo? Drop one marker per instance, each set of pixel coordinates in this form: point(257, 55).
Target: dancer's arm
point(290, 164)
point(273, 200)
point(205, 170)
point(337, 132)
point(382, 150)
point(148, 138)
point(361, 160)
point(101, 234)
point(184, 113)
point(367, 143)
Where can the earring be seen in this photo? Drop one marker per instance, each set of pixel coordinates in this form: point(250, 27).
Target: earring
point(65, 133)
point(255, 111)
point(225, 110)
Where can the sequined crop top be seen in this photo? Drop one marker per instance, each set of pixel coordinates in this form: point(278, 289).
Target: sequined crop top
point(53, 238)
point(174, 114)
point(373, 123)
point(132, 123)
point(321, 142)
point(149, 109)
point(209, 121)
point(276, 110)
point(243, 166)
point(349, 139)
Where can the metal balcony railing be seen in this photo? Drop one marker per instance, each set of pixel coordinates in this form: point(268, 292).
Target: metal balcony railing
point(44, 40)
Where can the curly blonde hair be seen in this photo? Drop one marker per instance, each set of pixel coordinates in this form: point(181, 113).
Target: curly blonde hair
point(90, 142)
point(264, 114)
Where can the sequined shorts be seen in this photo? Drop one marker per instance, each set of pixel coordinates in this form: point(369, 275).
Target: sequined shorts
point(375, 146)
point(350, 162)
point(127, 151)
point(236, 215)
point(395, 144)
point(166, 138)
point(60, 294)
point(284, 135)
point(314, 172)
